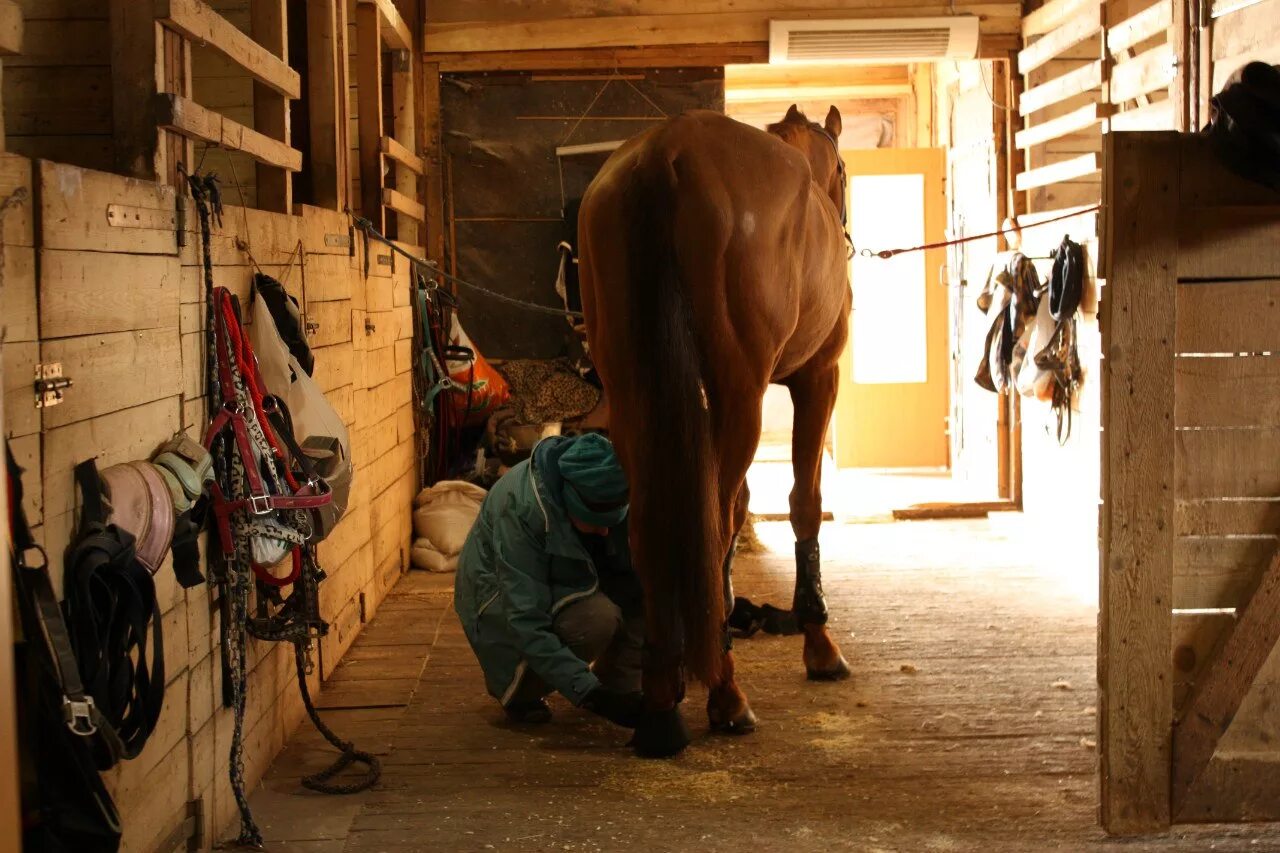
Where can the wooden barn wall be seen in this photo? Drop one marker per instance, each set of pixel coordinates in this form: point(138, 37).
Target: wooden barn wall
point(122, 310)
point(222, 86)
point(57, 92)
point(966, 128)
point(501, 132)
point(1248, 32)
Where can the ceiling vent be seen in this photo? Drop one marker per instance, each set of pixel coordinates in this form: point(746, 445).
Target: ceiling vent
point(880, 40)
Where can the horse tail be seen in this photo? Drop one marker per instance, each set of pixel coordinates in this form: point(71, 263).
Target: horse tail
point(682, 546)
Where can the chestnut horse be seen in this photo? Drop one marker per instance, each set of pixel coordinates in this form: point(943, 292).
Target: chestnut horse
point(713, 262)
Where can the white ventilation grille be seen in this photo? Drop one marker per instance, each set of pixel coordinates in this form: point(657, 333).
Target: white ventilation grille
point(873, 41)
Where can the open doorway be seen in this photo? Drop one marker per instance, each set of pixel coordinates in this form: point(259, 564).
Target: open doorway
point(913, 435)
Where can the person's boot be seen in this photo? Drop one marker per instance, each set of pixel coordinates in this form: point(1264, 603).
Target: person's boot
point(529, 712)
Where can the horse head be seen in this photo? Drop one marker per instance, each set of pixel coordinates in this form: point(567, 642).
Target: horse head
point(820, 144)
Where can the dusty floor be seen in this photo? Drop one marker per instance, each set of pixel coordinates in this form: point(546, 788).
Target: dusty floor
point(969, 725)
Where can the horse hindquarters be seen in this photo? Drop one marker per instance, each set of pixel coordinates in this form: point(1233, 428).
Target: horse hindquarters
point(641, 328)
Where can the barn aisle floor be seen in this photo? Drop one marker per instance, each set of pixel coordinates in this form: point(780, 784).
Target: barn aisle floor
point(969, 725)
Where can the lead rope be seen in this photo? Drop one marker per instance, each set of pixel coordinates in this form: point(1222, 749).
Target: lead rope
point(298, 618)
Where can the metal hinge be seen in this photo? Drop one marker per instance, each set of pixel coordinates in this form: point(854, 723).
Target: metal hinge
point(49, 384)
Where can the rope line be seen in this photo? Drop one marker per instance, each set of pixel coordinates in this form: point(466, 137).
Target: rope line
point(885, 254)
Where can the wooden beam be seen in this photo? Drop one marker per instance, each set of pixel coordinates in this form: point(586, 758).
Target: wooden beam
point(1065, 37)
point(602, 59)
point(326, 104)
point(788, 77)
point(1157, 116)
point(200, 23)
point(405, 133)
point(817, 93)
point(1185, 66)
point(1067, 170)
point(433, 163)
point(1052, 15)
point(402, 204)
point(369, 111)
point(1077, 82)
point(137, 72)
point(184, 116)
point(673, 29)
point(1134, 30)
point(403, 156)
point(1135, 697)
point(10, 28)
point(1073, 122)
point(1224, 682)
point(269, 21)
point(396, 34)
point(1150, 70)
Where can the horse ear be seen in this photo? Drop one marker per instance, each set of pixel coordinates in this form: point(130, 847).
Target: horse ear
point(834, 125)
point(793, 114)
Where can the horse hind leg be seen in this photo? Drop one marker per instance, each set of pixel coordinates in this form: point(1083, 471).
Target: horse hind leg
point(813, 393)
point(727, 707)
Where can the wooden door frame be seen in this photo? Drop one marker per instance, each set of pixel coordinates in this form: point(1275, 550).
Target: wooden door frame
point(10, 798)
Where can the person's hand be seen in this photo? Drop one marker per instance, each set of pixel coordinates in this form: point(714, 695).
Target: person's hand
point(622, 709)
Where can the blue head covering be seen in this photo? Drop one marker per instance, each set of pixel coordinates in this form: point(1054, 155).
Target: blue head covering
point(595, 486)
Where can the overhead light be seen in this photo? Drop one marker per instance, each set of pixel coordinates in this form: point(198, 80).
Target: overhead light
point(877, 40)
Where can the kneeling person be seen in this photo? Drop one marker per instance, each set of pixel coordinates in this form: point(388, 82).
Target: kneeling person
point(545, 589)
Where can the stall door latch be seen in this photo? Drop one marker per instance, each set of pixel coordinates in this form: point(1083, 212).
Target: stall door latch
point(49, 384)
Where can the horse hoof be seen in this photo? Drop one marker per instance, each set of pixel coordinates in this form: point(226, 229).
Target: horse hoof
point(661, 734)
point(743, 724)
point(839, 672)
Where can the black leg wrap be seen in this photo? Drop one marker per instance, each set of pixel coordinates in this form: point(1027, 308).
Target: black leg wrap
point(809, 604)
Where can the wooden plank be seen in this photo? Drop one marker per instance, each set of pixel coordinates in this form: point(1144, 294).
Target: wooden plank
point(1052, 15)
point(107, 369)
point(199, 22)
point(434, 228)
point(1218, 572)
point(100, 212)
point(21, 415)
point(1229, 242)
point(136, 75)
point(404, 129)
point(403, 156)
point(1075, 121)
point(19, 319)
point(184, 116)
point(396, 33)
point(87, 293)
point(1225, 682)
point(1083, 79)
point(1154, 116)
point(369, 107)
point(269, 21)
point(11, 28)
point(1228, 392)
point(1066, 170)
point(1075, 30)
point(1228, 463)
point(1134, 30)
point(1137, 522)
point(1148, 71)
point(403, 205)
point(603, 59)
point(669, 29)
point(326, 108)
point(1229, 317)
point(1228, 517)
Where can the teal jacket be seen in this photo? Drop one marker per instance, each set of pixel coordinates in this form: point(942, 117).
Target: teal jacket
point(522, 563)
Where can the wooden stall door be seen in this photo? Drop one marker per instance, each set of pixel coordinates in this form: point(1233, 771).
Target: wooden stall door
point(1190, 575)
point(891, 411)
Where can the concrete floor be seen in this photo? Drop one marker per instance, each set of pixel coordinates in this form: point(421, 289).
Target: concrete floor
point(969, 724)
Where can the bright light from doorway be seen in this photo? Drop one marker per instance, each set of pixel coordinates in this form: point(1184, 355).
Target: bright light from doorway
point(889, 324)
